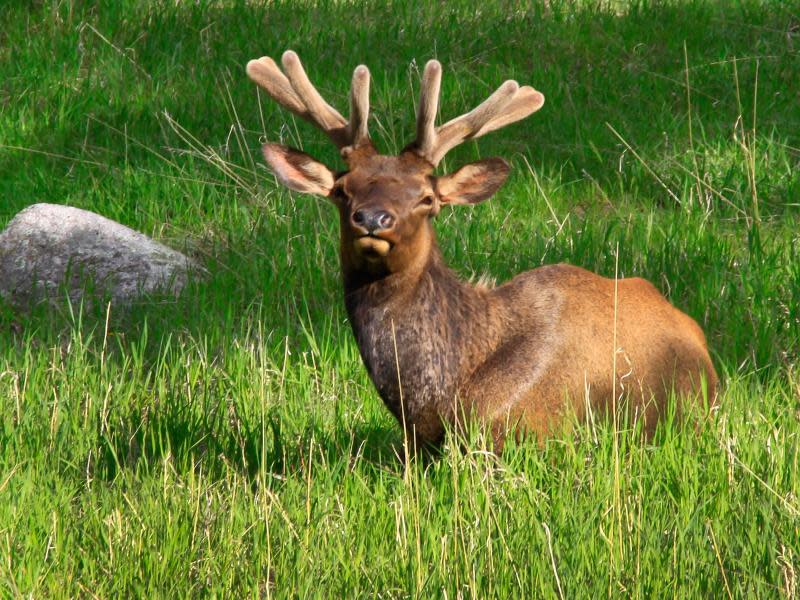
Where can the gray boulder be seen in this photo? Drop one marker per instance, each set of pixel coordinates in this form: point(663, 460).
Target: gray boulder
point(47, 248)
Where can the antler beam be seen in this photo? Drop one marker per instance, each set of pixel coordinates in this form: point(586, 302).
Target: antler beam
point(292, 88)
point(508, 104)
point(295, 92)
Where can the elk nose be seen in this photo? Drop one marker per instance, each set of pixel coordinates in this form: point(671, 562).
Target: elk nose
point(373, 220)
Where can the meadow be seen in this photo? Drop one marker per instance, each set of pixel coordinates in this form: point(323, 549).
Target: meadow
point(229, 442)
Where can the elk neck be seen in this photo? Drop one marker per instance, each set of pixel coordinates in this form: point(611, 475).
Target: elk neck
point(420, 325)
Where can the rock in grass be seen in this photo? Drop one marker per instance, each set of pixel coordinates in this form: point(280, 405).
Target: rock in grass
point(48, 249)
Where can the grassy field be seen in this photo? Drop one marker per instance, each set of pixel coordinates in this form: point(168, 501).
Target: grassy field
point(230, 443)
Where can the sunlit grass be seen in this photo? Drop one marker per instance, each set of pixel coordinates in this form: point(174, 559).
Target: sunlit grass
point(230, 443)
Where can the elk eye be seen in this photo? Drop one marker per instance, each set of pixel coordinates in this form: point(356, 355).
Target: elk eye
point(426, 201)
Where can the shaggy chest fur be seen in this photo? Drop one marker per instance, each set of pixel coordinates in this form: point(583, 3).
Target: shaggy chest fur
point(418, 345)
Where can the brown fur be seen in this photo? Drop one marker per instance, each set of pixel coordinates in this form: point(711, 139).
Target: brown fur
point(552, 341)
point(522, 354)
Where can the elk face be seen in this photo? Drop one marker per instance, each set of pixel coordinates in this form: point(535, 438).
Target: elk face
point(385, 203)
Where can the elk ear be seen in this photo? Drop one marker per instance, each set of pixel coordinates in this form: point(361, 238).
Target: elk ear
point(474, 182)
point(298, 171)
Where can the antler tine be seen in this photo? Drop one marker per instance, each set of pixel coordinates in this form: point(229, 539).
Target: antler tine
point(524, 103)
point(322, 113)
point(428, 106)
point(295, 92)
point(359, 106)
point(467, 126)
point(266, 74)
point(509, 103)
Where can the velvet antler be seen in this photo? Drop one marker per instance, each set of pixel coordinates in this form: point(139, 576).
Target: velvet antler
point(294, 91)
point(509, 103)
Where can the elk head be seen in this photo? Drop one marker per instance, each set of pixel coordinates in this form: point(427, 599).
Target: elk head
point(386, 202)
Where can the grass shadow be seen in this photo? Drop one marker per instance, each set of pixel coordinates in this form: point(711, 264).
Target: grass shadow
point(261, 450)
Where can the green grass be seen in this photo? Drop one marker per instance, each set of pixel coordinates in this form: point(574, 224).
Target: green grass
point(230, 443)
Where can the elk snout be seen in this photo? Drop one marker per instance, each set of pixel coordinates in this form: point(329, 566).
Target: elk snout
point(370, 224)
point(373, 221)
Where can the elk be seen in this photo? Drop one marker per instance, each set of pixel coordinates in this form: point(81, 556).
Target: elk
point(440, 351)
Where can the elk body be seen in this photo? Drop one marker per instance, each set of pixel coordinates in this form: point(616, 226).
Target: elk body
point(554, 340)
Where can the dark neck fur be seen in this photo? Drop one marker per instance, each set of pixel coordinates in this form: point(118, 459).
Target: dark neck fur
point(442, 331)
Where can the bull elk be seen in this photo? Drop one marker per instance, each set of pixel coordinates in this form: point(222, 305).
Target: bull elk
point(439, 350)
